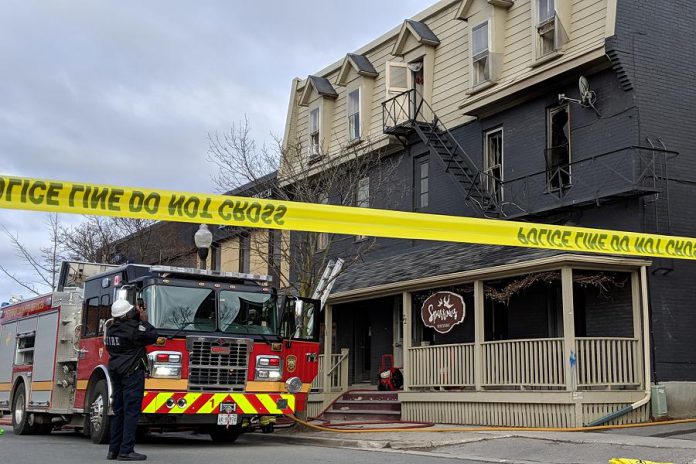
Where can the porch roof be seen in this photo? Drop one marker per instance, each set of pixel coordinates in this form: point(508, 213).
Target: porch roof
point(441, 264)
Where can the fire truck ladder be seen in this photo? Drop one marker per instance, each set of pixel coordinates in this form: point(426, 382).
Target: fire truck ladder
point(326, 283)
point(407, 113)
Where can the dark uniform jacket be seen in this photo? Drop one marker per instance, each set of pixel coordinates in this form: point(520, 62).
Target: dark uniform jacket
point(125, 341)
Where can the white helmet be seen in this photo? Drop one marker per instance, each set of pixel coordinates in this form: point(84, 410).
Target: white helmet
point(120, 308)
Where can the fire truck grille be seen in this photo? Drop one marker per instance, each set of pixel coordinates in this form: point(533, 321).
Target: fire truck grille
point(218, 363)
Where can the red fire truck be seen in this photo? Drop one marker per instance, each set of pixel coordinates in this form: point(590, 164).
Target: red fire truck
point(231, 350)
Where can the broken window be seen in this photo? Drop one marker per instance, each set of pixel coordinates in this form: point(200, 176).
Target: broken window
point(558, 148)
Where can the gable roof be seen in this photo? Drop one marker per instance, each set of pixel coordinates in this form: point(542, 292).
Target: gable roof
point(463, 10)
point(420, 31)
point(358, 62)
point(321, 85)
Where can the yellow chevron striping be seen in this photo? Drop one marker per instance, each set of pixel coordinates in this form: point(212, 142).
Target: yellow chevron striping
point(291, 401)
point(269, 404)
point(189, 398)
point(243, 403)
point(212, 403)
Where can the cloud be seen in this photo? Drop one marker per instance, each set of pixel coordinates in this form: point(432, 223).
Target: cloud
point(126, 92)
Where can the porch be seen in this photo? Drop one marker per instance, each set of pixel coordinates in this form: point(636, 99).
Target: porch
point(553, 342)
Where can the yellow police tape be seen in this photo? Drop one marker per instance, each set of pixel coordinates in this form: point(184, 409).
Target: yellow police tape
point(84, 198)
point(633, 461)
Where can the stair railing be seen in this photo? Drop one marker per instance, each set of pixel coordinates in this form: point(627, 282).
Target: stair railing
point(337, 376)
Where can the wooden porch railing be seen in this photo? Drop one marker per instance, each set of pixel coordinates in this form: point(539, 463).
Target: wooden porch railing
point(338, 370)
point(608, 362)
point(524, 363)
point(442, 366)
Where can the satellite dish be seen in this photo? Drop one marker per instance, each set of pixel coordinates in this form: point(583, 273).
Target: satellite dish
point(584, 86)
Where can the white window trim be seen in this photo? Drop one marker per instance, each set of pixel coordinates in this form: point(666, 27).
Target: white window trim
point(323, 237)
point(488, 79)
point(549, 117)
point(358, 204)
point(359, 113)
point(486, 167)
point(314, 150)
point(409, 78)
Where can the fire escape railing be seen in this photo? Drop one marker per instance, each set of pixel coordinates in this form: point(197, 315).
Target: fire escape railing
point(628, 171)
point(408, 112)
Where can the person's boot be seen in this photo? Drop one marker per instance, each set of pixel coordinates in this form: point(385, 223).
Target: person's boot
point(111, 456)
point(132, 457)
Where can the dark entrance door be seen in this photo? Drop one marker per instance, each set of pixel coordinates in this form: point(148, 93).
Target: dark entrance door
point(362, 333)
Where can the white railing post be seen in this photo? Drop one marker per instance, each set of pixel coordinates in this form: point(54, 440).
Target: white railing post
point(637, 324)
point(344, 369)
point(328, 339)
point(479, 335)
point(569, 350)
point(407, 314)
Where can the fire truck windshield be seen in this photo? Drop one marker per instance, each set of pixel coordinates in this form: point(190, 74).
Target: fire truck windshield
point(194, 309)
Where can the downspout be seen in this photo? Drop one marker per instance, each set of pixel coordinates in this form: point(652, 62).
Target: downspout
point(646, 358)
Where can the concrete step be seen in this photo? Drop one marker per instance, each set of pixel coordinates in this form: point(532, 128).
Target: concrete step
point(372, 395)
point(371, 405)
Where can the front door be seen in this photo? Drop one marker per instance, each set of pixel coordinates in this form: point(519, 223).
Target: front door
point(362, 359)
point(398, 322)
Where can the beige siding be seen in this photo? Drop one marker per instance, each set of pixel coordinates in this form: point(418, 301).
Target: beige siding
point(451, 81)
point(229, 255)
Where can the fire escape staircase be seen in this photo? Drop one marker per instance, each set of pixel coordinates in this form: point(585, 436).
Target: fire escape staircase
point(408, 113)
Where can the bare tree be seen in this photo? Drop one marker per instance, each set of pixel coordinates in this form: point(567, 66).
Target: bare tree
point(45, 265)
point(92, 240)
point(299, 258)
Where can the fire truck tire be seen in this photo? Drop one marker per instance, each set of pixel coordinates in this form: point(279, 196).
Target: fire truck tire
point(20, 417)
point(99, 420)
point(222, 434)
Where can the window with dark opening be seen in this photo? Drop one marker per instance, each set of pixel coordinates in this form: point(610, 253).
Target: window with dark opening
point(422, 182)
point(493, 163)
point(558, 148)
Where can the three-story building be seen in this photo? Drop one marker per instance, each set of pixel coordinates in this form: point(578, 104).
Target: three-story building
point(572, 112)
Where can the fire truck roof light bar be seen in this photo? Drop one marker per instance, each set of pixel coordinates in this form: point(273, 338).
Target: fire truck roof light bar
point(205, 272)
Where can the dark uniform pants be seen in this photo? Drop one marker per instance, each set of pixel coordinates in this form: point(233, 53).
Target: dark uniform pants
point(127, 401)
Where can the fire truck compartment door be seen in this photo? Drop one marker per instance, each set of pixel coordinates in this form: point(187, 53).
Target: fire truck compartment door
point(44, 356)
point(45, 347)
point(8, 341)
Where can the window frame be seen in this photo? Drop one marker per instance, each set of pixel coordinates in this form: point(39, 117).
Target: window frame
point(550, 111)
point(409, 78)
point(354, 127)
point(419, 194)
point(484, 55)
point(323, 237)
point(364, 202)
point(87, 312)
point(494, 186)
point(314, 132)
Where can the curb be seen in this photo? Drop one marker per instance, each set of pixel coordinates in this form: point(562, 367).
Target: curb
point(329, 442)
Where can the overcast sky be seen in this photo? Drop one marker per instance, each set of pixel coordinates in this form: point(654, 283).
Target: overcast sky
point(126, 92)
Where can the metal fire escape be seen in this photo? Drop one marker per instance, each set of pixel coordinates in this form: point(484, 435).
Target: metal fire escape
point(409, 113)
point(590, 179)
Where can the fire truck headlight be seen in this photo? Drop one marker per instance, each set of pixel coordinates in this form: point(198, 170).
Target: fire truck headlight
point(164, 364)
point(293, 385)
point(166, 372)
point(268, 368)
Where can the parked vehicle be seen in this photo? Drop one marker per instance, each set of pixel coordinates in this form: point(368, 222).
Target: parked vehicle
point(230, 350)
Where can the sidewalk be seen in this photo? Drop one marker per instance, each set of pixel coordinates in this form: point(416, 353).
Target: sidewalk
point(516, 447)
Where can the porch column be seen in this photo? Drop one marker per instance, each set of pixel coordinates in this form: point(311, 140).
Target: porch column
point(479, 335)
point(646, 326)
point(568, 328)
point(407, 313)
point(637, 325)
point(328, 336)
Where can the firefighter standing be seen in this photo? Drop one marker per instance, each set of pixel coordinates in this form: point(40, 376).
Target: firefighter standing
point(125, 341)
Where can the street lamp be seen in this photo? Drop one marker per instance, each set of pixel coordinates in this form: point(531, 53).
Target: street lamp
point(203, 239)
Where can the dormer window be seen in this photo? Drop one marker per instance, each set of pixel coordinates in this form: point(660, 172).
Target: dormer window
point(353, 105)
point(480, 54)
point(550, 34)
point(314, 140)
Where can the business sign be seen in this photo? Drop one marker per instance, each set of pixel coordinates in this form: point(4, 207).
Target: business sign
point(442, 311)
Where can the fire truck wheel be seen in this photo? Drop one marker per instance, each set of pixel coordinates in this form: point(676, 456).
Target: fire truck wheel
point(20, 417)
point(98, 413)
point(222, 434)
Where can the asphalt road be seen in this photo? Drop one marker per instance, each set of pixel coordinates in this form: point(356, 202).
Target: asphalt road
point(68, 448)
